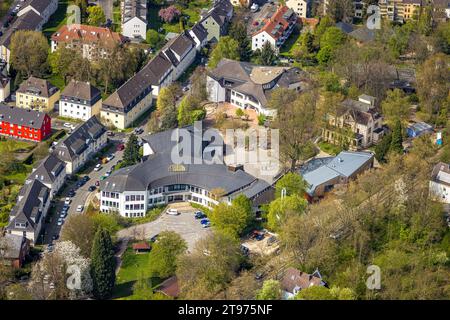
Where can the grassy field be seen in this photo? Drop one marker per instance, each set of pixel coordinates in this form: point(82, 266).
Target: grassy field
point(329, 148)
point(11, 145)
point(133, 266)
point(290, 44)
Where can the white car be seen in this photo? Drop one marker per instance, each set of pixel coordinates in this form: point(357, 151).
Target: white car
point(60, 222)
point(67, 201)
point(172, 212)
point(98, 166)
point(67, 125)
point(110, 157)
point(80, 208)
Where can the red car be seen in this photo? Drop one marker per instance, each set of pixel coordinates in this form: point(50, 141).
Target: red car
point(120, 147)
point(97, 183)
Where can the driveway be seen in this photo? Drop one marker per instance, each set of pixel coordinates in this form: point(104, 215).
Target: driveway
point(184, 224)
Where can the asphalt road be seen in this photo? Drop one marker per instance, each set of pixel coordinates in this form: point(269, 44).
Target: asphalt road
point(82, 194)
point(3, 19)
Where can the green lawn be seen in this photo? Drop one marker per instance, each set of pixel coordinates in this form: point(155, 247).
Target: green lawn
point(329, 148)
point(290, 44)
point(133, 266)
point(11, 145)
point(57, 20)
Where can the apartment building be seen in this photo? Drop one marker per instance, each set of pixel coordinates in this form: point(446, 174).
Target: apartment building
point(301, 7)
point(399, 10)
point(43, 8)
point(217, 19)
point(38, 94)
point(91, 42)
point(80, 100)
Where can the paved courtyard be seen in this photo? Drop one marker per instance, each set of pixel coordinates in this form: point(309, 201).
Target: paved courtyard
point(184, 224)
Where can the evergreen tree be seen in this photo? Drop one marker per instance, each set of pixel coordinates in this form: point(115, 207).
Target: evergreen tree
point(382, 148)
point(238, 32)
point(103, 265)
point(397, 138)
point(267, 55)
point(131, 153)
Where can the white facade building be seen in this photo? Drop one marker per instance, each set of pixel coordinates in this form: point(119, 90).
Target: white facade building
point(134, 19)
point(80, 100)
point(439, 188)
point(301, 7)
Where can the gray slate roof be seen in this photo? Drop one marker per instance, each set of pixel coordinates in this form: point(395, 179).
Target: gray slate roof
point(156, 172)
point(81, 90)
point(135, 8)
point(39, 5)
point(37, 86)
point(32, 196)
point(48, 170)
point(70, 147)
point(28, 21)
point(21, 116)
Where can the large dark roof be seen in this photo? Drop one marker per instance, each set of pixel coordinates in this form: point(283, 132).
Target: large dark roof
point(157, 171)
point(23, 117)
point(32, 197)
point(48, 170)
point(199, 31)
point(81, 90)
point(78, 141)
point(37, 86)
point(10, 246)
point(135, 8)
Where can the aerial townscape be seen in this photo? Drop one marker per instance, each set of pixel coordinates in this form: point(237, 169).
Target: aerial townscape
point(225, 150)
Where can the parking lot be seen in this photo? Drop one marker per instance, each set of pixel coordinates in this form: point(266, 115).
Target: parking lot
point(185, 224)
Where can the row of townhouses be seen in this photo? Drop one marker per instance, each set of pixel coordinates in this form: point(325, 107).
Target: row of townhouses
point(46, 179)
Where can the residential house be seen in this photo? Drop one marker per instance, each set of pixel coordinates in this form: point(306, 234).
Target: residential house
point(275, 29)
point(51, 171)
point(249, 86)
point(28, 21)
point(355, 123)
point(86, 140)
point(200, 36)
point(28, 215)
point(135, 96)
point(44, 8)
point(37, 94)
point(441, 10)
point(399, 10)
point(80, 100)
point(301, 7)
point(90, 41)
point(134, 19)
point(24, 123)
point(439, 188)
point(13, 250)
point(295, 280)
point(217, 19)
point(322, 174)
point(5, 88)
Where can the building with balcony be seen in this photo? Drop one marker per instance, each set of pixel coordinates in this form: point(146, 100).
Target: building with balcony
point(248, 86)
point(275, 29)
point(399, 10)
point(355, 124)
point(37, 94)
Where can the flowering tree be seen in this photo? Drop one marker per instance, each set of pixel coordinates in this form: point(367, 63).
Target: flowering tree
point(169, 14)
point(51, 276)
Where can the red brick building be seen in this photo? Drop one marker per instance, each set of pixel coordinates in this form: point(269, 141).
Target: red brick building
point(24, 123)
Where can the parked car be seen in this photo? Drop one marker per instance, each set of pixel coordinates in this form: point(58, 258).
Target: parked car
point(86, 178)
point(80, 208)
point(108, 173)
point(259, 237)
point(67, 201)
point(120, 147)
point(138, 130)
point(98, 166)
point(205, 223)
point(60, 222)
point(67, 125)
point(110, 133)
point(199, 215)
point(92, 188)
point(71, 193)
point(173, 212)
point(245, 251)
point(63, 214)
point(110, 157)
point(97, 183)
point(154, 238)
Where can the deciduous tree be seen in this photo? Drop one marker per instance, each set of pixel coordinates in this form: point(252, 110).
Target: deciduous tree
point(165, 252)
